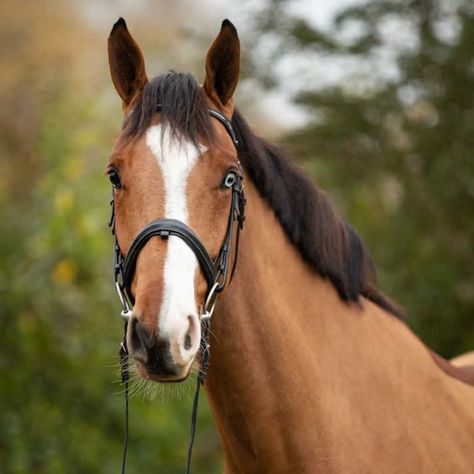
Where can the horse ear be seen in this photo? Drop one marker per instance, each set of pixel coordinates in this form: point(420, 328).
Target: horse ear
point(127, 66)
point(223, 65)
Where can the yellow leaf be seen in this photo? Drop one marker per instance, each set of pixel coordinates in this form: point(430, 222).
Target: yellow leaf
point(64, 272)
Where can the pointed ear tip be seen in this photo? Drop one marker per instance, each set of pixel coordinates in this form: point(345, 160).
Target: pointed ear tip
point(228, 24)
point(120, 23)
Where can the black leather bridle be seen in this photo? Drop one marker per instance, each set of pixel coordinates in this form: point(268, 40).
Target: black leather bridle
point(216, 271)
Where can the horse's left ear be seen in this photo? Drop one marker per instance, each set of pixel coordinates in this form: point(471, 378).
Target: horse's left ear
point(223, 66)
point(127, 66)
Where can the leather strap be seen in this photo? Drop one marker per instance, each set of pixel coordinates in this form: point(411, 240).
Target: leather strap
point(227, 124)
point(164, 228)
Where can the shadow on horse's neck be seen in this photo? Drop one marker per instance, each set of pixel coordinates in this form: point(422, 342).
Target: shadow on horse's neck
point(297, 374)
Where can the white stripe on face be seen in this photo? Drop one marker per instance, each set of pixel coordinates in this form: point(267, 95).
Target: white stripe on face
point(176, 161)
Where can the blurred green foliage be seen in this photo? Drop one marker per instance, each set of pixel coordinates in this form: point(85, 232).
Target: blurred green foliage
point(400, 170)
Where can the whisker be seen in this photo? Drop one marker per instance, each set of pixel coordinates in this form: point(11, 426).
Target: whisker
point(143, 389)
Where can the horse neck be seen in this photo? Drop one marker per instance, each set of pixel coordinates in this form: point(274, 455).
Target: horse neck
point(260, 349)
point(289, 359)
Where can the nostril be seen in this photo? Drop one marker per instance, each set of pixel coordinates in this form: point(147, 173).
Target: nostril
point(188, 342)
point(188, 338)
point(139, 340)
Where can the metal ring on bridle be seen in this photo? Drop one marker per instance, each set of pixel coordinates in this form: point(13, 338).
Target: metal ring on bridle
point(211, 301)
point(122, 298)
point(126, 312)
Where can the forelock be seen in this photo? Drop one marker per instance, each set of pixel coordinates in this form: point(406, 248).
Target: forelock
point(182, 106)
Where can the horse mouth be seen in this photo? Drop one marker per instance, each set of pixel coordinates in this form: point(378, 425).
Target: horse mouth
point(160, 374)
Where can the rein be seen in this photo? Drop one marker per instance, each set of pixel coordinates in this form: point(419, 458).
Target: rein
point(217, 273)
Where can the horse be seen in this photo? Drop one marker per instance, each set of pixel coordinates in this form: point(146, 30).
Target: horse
point(313, 370)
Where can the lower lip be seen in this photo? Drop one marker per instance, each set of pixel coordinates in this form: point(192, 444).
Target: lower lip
point(145, 375)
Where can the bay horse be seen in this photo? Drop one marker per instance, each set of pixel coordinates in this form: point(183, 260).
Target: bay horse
point(312, 369)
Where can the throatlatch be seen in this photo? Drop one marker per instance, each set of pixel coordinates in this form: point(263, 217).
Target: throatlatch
point(217, 273)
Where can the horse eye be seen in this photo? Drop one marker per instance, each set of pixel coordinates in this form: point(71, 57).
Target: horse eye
point(114, 178)
point(229, 180)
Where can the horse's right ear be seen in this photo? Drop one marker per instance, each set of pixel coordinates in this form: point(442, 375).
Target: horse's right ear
point(222, 67)
point(127, 66)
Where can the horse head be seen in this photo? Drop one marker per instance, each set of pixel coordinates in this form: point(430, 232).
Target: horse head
point(177, 191)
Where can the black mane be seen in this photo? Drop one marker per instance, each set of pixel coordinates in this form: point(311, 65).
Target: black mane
point(330, 245)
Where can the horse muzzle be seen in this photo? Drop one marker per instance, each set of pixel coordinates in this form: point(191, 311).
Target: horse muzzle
point(163, 358)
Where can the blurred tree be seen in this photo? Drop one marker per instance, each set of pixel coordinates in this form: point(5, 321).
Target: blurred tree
point(393, 143)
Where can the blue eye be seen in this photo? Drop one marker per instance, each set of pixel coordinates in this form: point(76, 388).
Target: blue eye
point(229, 180)
point(114, 178)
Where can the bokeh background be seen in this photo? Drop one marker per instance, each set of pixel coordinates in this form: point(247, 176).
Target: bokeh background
point(375, 99)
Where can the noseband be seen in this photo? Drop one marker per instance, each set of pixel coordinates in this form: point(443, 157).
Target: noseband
point(216, 271)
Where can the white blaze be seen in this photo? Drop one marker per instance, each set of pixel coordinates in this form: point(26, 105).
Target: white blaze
point(176, 161)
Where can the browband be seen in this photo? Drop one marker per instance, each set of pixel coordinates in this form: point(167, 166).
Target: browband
point(227, 124)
